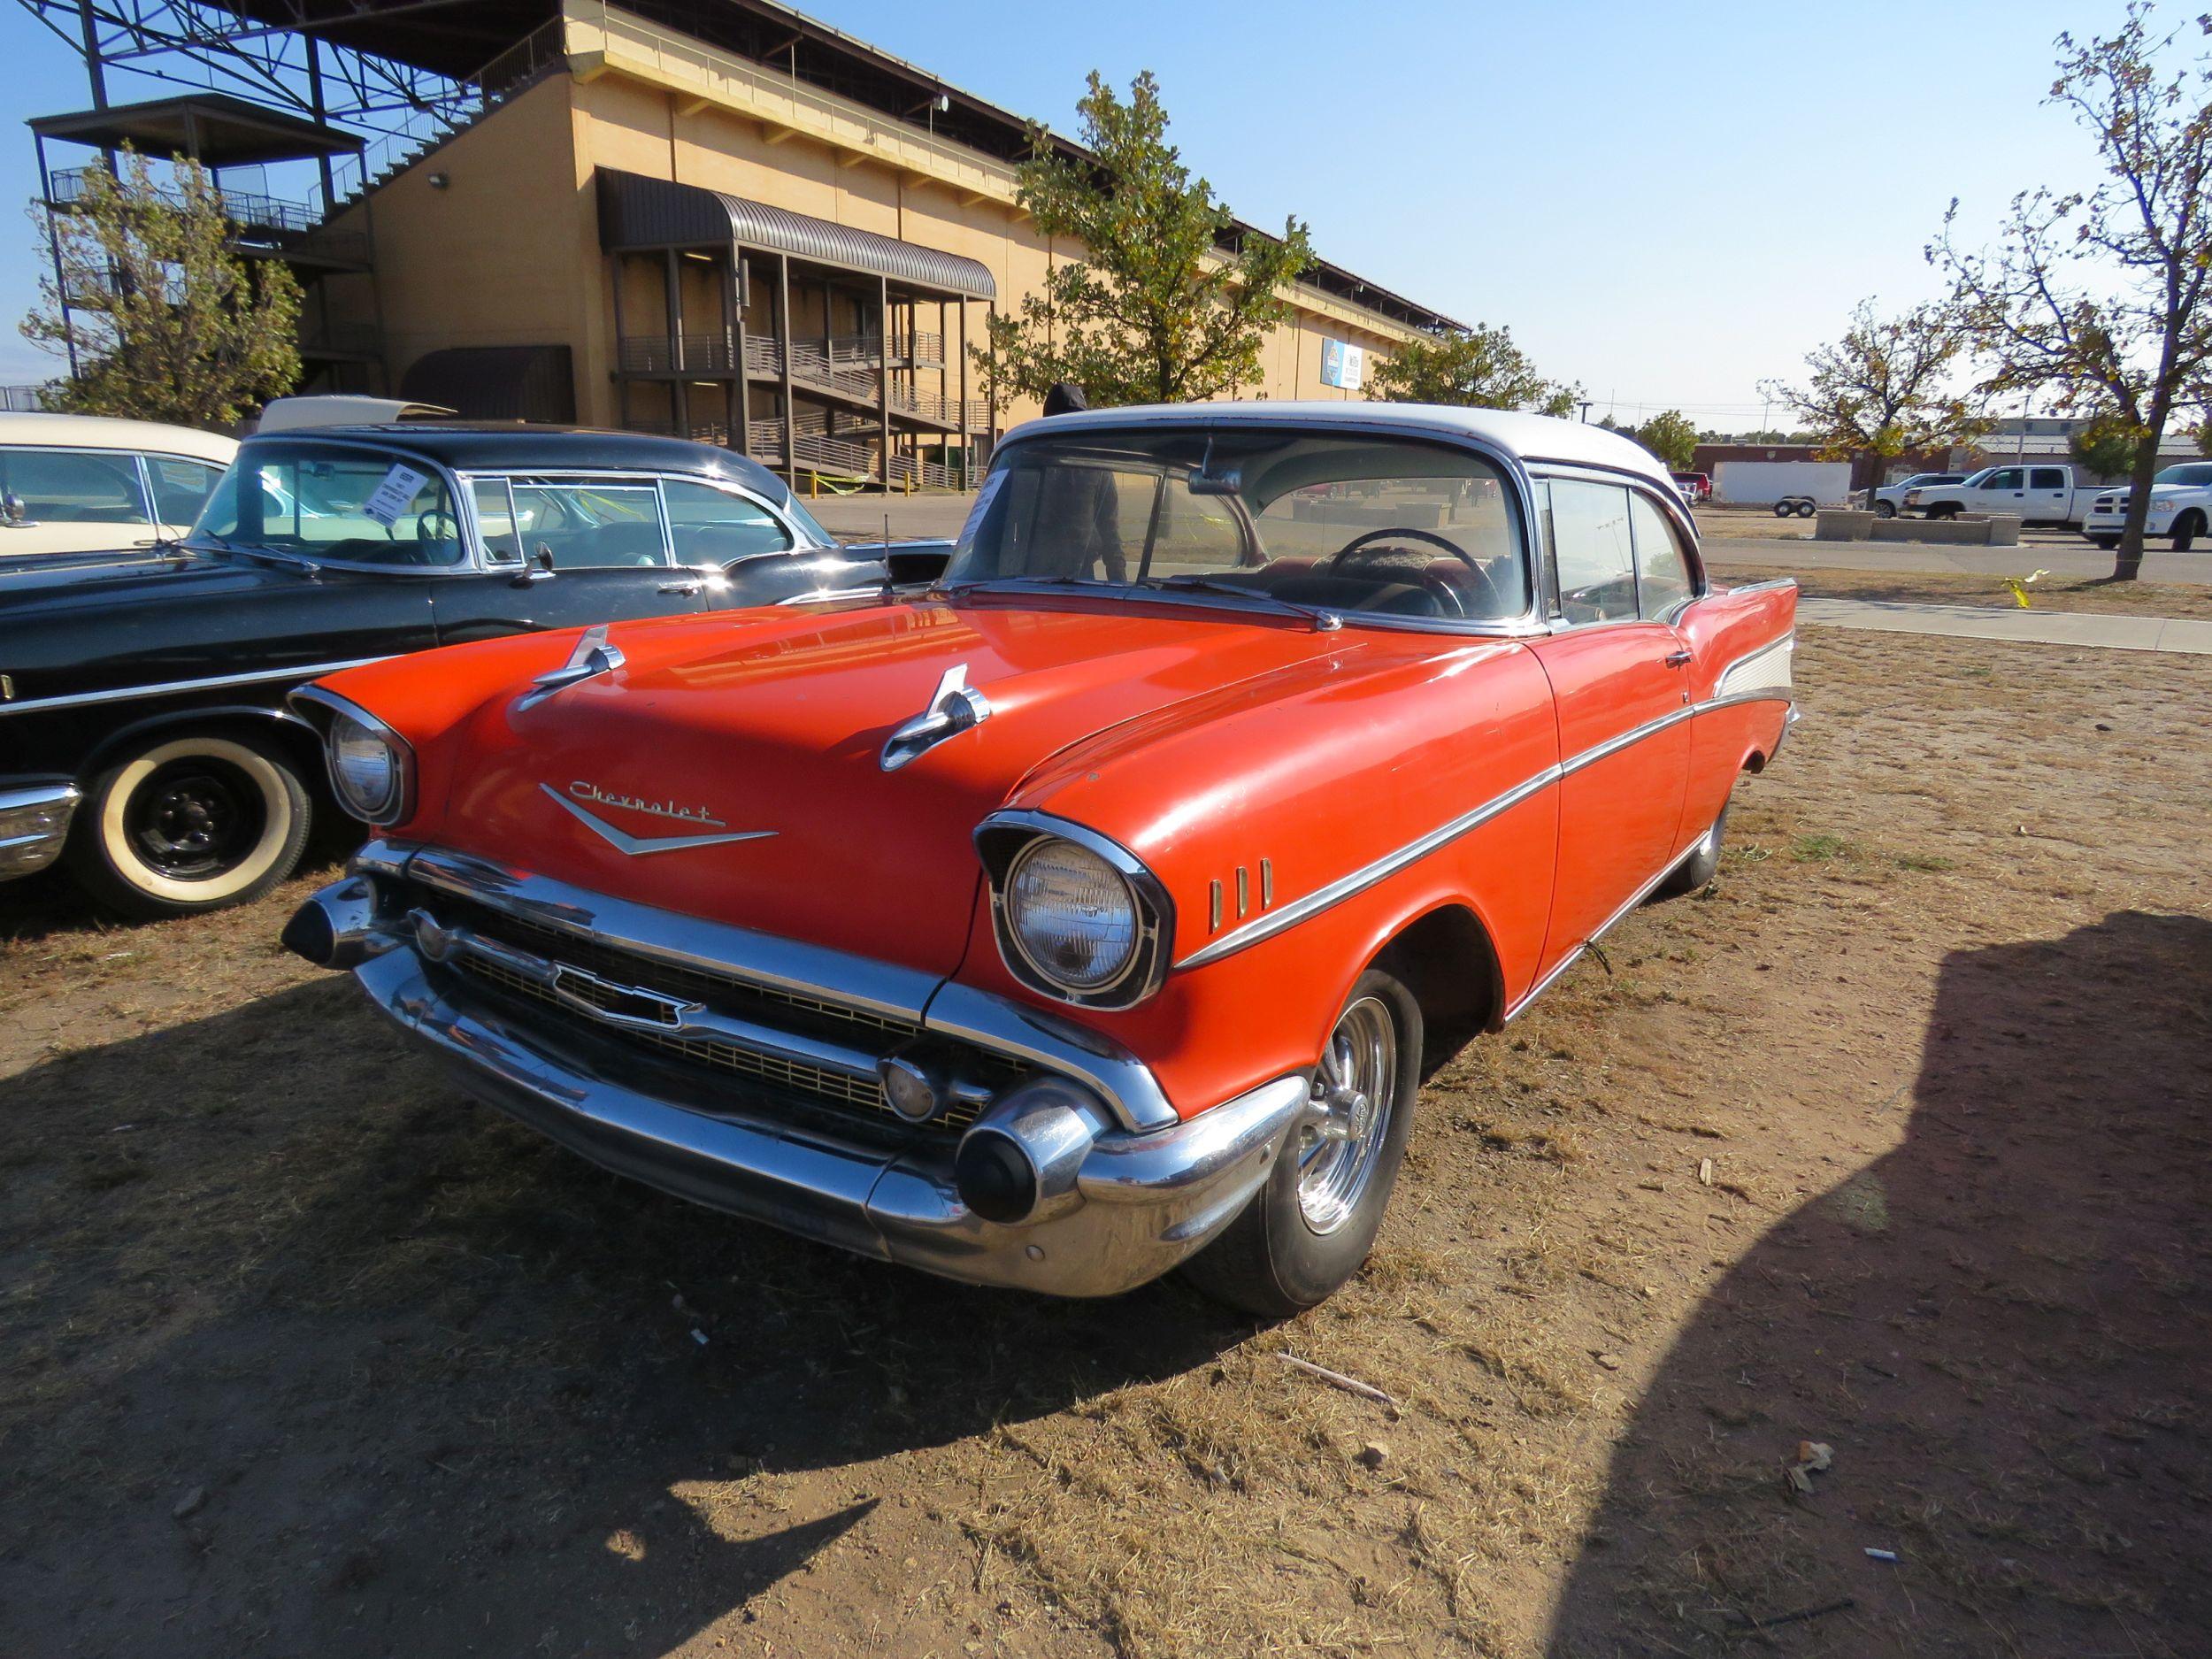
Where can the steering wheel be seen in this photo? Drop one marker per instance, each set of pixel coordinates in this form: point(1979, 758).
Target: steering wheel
point(447, 527)
point(1398, 532)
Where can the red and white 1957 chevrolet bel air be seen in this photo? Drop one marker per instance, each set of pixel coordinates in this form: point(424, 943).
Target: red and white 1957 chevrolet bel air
point(1099, 909)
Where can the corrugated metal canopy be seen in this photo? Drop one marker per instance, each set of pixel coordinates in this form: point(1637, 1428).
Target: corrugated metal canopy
point(637, 213)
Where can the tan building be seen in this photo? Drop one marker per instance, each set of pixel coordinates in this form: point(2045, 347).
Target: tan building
point(734, 223)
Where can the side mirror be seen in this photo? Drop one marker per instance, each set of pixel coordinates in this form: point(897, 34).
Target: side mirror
point(540, 568)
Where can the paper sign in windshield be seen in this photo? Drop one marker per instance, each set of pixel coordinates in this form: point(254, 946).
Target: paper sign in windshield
point(390, 498)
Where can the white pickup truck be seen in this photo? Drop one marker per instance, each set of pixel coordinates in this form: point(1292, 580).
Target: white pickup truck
point(2181, 507)
point(2036, 494)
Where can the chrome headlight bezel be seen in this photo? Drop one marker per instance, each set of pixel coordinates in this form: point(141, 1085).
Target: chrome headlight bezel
point(344, 720)
point(1005, 838)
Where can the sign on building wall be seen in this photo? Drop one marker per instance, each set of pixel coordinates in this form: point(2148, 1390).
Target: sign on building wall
point(1343, 364)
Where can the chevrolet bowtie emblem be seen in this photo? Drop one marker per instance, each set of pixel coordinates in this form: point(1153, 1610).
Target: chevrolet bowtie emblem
point(637, 845)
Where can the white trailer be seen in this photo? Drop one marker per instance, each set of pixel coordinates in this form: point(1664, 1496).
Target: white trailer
point(1762, 483)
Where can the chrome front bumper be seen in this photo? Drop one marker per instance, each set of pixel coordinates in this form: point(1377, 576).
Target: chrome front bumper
point(1135, 1205)
point(33, 824)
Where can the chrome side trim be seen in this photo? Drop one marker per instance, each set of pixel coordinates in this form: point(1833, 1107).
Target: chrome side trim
point(1603, 928)
point(1270, 923)
point(1768, 668)
point(124, 694)
point(1768, 587)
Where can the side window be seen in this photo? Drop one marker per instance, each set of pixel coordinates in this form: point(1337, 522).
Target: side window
point(180, 486)
point(74, 486)
point(714, 526)
point(1662, 575)
point(590, 524)
point(1592, 552)
point(2008, 477)
point(2046, 478)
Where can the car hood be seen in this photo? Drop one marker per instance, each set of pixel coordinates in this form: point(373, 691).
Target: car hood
point(731, 768)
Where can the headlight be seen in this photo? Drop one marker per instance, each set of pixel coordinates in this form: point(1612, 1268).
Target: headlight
point(367, 769)
point(1072, 914)
point(1076, 914)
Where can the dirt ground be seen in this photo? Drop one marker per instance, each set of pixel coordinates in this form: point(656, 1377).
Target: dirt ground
point(1895, 1139)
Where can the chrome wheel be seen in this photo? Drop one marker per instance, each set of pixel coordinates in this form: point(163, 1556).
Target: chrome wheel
point(1348, 1117)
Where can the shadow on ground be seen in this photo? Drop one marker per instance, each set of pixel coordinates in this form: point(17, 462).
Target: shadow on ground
point(439, 1387)
point(2003, 1328)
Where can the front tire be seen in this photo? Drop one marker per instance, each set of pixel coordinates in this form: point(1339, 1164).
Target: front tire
point(1308, 1229)
point(1885, 509)
point(186, 824)
point(2107, 542)
point(2187, 528)
point(1699, 865)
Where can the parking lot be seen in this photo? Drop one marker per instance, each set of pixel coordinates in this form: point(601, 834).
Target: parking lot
point(1893, 1140)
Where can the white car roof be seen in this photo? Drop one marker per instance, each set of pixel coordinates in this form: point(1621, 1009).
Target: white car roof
point(341, 408)
point(104, 432)
point(1529, 437)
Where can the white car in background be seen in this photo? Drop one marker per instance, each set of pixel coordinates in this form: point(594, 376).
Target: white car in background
point(2181, 507)
point(1889, 500)
point(85, 483)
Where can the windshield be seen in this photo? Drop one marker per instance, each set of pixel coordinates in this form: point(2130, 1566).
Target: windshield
point(332, 502)
point(2188, 472)
point(1353, 524)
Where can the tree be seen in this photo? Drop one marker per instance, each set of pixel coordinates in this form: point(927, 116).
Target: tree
point(1474, 368)
point(1671, 437)
point(2106, 446)
point(167, 323)
point(1153, 309)
point(2098, 299)
point(1883, 389)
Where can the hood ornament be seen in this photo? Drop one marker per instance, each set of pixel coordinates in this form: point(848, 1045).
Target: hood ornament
point(593, 655)
point(638, 846)
point(954, 707)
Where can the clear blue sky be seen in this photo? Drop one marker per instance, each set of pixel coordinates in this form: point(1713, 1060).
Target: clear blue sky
point(1665, 204)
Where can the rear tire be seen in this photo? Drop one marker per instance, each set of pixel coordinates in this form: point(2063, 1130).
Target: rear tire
point(1781, 509)
point(1311, 1225)
point(188, 823)
point(1806, 508)
point(1699, 865)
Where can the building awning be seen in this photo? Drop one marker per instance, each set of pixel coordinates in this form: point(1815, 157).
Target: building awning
point(496, 382)
point(637, 214)
point(219, 130)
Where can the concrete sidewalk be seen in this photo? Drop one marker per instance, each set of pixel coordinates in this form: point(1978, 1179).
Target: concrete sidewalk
point(2109, 632)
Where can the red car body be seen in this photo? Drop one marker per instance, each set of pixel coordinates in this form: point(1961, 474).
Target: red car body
point(1294, 800)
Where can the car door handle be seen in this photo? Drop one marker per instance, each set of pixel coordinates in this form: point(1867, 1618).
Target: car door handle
point(692, 587)
point(1677, 660)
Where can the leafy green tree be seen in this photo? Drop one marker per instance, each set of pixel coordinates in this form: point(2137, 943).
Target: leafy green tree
point(2106, 446)
point(1885, 388)
point(2100, 299)
point(1153, 309)
point(1475, 368)
point(1671, 437)
point(168, 322)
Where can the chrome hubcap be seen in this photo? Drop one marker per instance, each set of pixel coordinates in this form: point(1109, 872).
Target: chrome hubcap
point(1348, 1117)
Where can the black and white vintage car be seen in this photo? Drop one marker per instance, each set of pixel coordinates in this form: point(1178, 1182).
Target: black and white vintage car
point(144, 738)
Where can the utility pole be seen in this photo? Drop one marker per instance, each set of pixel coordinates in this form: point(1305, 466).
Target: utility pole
point(1584, 405)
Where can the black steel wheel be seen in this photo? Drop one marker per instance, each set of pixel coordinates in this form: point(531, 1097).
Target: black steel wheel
point(188, 823)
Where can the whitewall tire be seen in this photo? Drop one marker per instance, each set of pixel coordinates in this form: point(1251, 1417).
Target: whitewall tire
point(190, 823)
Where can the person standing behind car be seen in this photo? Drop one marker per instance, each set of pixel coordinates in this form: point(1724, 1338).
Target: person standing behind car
point(1078, 517)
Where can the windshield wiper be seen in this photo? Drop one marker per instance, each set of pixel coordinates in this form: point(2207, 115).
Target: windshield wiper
point(298, 561)
point(1323, 620)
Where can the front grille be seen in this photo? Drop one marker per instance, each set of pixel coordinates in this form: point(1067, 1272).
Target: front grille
point(859, 1029)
